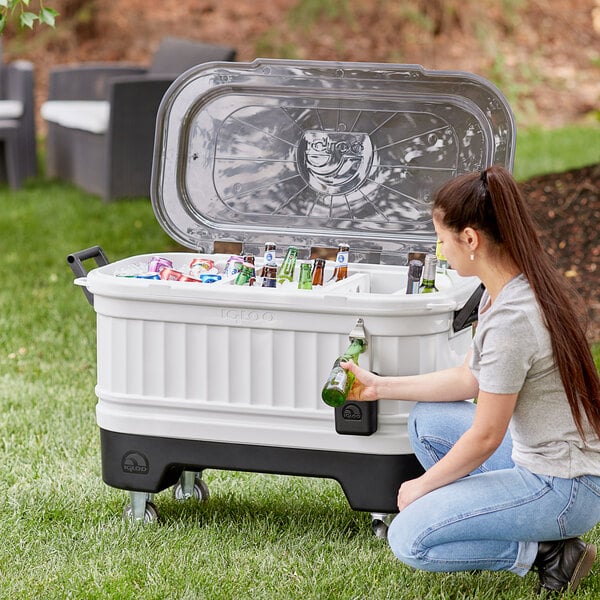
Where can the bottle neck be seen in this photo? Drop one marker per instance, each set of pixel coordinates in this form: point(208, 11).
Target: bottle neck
point(354, 349)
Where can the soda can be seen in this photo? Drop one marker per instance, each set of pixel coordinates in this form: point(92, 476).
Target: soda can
point(147, 276)
point(187, 278)
point(200, 265)
point(244, 276)
point(209, 277)
point(174, 275)
point(158, 262)
point(168, 274)
point(234, 265)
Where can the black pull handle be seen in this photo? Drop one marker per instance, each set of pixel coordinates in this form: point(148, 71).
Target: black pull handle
point(469, 312)
point(75, 261)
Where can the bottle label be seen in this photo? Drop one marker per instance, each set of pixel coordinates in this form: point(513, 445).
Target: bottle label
point(269, 256)
point(413, 287)
point(438, 251)
point(339, 379)
point(342, 259)
point(269, 282)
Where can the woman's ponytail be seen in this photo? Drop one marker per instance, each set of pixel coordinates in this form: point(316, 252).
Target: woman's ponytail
point(492, 203)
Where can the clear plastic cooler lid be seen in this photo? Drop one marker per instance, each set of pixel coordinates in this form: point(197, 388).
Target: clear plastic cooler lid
point(317, 153)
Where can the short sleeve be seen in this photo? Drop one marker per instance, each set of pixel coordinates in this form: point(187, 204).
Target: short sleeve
point(504, 350)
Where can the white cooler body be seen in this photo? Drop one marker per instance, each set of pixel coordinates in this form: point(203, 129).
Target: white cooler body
point(244, 366)
point(194, 376)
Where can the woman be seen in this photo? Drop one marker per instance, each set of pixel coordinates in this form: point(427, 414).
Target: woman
point(530, 491)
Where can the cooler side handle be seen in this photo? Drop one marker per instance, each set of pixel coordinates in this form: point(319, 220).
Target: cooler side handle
point(469, 312)
point(75, 261)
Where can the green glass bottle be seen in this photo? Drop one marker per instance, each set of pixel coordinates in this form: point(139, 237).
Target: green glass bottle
point(286, 270)
point(429, 270)
point(338, 384)
point(305, 279)
point(442, 263)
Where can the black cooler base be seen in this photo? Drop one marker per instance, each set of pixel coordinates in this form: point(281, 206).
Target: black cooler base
point(152, 464)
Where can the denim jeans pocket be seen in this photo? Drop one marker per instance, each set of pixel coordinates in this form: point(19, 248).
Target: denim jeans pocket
point(582, 512)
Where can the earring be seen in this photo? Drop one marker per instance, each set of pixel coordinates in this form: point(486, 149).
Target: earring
point(472, 257)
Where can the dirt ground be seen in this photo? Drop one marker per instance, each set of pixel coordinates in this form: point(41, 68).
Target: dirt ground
point(566, 207)
point(544, 55)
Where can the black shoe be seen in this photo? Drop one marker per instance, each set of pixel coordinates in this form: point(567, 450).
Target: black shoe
point(563, 564)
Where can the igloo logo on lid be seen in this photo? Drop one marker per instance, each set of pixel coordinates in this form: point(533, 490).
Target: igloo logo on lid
point(334, 162)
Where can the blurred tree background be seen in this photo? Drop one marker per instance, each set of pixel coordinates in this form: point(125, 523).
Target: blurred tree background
point(543, 54)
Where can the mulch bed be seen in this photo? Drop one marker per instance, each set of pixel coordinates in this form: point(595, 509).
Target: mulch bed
point(566, 207)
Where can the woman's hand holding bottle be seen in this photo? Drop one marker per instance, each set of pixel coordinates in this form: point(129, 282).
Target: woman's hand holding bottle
point(365, 382)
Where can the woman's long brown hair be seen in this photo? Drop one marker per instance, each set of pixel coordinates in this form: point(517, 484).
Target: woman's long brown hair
point(491, 202)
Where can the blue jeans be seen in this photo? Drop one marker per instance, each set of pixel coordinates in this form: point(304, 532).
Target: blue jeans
point(494, 518)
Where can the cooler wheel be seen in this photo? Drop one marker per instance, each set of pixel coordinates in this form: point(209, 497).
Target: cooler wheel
point(141, 509)
point(380, 523)
point(191, 485)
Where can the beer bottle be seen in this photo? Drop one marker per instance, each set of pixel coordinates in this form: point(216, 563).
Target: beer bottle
point(270, 275)
point(415, 268)
point(288, 266)
point(269, 256)
point(318, 271)
point(429, 269)
point(338, 384)
point(305, 279)
point(341, 262)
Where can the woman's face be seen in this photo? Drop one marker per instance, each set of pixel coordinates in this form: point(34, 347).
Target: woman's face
point(455, 249)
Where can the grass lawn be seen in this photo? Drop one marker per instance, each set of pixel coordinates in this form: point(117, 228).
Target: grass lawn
point(553, 151)
point(61, 532)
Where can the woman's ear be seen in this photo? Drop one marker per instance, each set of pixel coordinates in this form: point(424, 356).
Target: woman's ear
point(471, 237)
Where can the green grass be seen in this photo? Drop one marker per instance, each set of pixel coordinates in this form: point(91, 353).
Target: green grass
point(61, 532)
point(542, 151)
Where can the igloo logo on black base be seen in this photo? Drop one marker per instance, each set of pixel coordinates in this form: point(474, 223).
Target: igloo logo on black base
point(135, 462)
point(351, 412)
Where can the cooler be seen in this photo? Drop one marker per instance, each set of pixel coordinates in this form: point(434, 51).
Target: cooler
point(195, 376)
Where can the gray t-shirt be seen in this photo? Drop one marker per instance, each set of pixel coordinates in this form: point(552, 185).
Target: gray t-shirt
point(512, 353)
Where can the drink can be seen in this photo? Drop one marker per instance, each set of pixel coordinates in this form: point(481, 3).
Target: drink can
point(174, 275)
point(184, 277)
point(234, 265)
point(168, 274)
point(244, 276)
point(158, 262)
point(200, 265)
point(147, 276)
point(209, 277)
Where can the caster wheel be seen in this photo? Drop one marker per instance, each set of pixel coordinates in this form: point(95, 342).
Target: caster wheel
point(380, 529)
point(150, 514)
point(198, 492)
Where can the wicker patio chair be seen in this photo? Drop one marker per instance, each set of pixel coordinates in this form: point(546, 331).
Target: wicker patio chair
point(101, 117)
point(18, 159)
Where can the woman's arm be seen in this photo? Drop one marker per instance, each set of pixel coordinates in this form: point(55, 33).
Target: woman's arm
point(447, 385)
point(476, 445)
